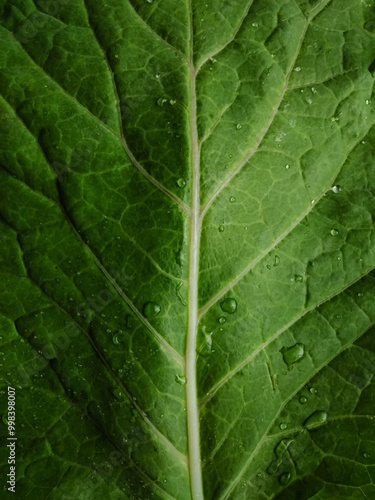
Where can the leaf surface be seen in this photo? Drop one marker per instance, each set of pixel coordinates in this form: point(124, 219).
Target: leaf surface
point(188, 249)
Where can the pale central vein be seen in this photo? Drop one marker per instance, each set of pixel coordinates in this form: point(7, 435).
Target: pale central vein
point(195, 470)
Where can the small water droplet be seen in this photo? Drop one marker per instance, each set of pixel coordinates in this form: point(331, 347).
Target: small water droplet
point(229, 305)
point(303, 400)
point(180, 379)
point(316, 419)
point(283, 426)
point(366, 455)
point(287, 167)
point(116, 339)
point(359, 294)
point(221, 228)
point(118, 394)
point(313, 390)
point(298, 69)
point(293, 354)
point(222, 320)
point(336, 189)
point(298, 278)
point(161, 101)
point(284, 478)
point(277, 261)
point(238, 126)
point(181, 182)
point(149, 1)
point(367, 101)
point(232, 199)
point(172, 102)
point(151, 309)
point(254, 25)
point(279, 451)
point(334, 232)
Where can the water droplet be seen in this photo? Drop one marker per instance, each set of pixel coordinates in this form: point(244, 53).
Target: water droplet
point(298, 278)
point(181, 182)
point(116, 339)
point(366, 455)
point(316, 419)
point(149, 1)
point(221, 228)
point(293, 354)
point(238, 126)
point(284, 478)
point(287, 166)
point(367, 101)
point(359, 294)
point(180, 379)
point(118, 394)
point(313, 390)
point(172, 102)
point(229, 305)
point(334, 232)
point(232, 199)
point(254, 25)
point(151, 309)
point(336, 189)
point(161, 101)
point(283, 426)
point(222, 320)
point(279, 451)
point(303, 400)
point(277, 261)
point(297, 69)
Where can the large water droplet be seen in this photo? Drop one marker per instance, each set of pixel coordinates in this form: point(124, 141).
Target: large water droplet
point(284, 478)
point(181, 182)
point(279, 451)
point(316, 419)
point(229, 305)
point(151, 309)
point(293, 354)
point(180, 379)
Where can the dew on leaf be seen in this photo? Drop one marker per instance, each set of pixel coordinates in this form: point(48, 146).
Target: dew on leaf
point(232, 199)
point(287, 167)
point(151, 309)
point(118, 394)
point(221, 228)
point(277, 261)
point(238, 126)
point(313, 390)
point(298, 278)
point(336, 189)
point(293, 354)
point(279, 451)
point(116, 339)
point(284, 478)
point(366, 455)
point(334, 232)
point(172, 102)
point(229, 305)
point(161, 101)
point(181, 182)
point(180, 379)
point(283, 426)
point(316, 419)
point(303, 400)
point(298, 69)
point(221, 320)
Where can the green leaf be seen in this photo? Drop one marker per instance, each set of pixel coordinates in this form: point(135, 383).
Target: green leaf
point(187, 206)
